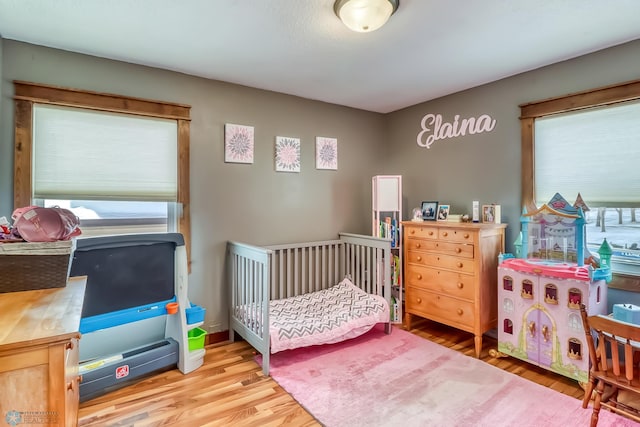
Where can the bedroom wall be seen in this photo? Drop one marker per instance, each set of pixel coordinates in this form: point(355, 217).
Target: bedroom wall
point(255, 204)
point(249, 203)
point(486, 166)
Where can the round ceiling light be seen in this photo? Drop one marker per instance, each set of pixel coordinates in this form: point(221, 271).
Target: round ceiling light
point(365, 15)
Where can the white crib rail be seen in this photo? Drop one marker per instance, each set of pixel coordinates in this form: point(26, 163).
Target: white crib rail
point(301, 268)
point(368, 261)
point(248, 273)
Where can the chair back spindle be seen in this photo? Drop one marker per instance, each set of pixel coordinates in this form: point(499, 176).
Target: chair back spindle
point(614, 352)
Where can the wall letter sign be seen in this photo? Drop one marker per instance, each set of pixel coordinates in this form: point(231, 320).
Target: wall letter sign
point(434, 129)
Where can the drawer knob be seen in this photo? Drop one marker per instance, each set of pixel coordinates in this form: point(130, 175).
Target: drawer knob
point(419, 300)
point(69, 345)
point(466, 235)
point(458, 250)
point(70, 385)
point(412, 231)
point(431, 233)
point(459, 265)
point(419, 276)
point(418, 245)
point(459, 312)
point(445, 234)
point(419, 258)
point(460, 285)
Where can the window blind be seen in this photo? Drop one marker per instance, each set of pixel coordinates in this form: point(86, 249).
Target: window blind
point(593, 152)
point(83, 154)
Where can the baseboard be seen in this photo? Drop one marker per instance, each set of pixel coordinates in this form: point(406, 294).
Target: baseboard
point(493, 333)
point(216, 337)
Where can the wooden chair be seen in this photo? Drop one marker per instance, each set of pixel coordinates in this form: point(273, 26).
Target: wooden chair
point(614, 372)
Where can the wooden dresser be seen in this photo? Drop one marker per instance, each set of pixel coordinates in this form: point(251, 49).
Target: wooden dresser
point(450, 271)
point(39, 380)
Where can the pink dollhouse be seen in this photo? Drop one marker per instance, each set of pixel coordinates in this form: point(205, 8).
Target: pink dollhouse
point(540, 291)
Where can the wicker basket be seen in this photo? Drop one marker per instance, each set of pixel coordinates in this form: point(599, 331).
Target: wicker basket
point(29, 266)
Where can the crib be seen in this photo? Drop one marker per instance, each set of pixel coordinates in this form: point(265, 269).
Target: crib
point(261, 276)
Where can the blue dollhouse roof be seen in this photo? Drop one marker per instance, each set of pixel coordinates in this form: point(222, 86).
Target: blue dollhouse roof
point(557, 206)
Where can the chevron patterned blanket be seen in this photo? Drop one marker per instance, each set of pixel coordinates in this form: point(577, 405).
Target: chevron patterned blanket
point(332, 315)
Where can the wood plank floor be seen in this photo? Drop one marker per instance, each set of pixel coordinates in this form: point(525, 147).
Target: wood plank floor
point(229, 389)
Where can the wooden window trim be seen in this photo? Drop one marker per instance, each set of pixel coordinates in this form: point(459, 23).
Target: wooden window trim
point(529, 112)
point(27, 93)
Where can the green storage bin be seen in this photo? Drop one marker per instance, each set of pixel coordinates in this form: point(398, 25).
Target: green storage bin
point(196, 338)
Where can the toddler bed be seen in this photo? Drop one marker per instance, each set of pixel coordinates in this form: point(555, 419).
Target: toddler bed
point(302, 294)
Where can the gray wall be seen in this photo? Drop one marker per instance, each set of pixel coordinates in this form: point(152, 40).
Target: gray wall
point(249, 203)
point(253, 203)
point(486, 166)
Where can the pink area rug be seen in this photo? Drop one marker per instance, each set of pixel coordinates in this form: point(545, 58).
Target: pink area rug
point(404, 380)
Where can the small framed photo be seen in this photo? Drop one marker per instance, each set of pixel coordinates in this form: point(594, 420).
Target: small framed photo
point(491, 214)
point(429, 211)
point(443, 212)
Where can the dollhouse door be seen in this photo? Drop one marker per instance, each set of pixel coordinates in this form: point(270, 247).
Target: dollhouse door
point(539, 337)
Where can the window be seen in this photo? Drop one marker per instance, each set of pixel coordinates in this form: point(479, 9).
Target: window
point(507, 283)
point(575, 298)
point(574, 349)
point(588, 144)
point(508, 326)
point(121, 164)
point(550, 293)
point(527, 289)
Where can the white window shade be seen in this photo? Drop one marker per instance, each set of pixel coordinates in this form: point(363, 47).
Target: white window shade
point(93, 155)
point(593, 152)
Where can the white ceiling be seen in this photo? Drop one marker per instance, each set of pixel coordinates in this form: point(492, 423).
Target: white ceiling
point(429, 48)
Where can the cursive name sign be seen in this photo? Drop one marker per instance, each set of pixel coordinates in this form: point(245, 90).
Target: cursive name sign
point(434, 129)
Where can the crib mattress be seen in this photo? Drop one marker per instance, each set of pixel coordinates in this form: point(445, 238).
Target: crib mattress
point(332, 315)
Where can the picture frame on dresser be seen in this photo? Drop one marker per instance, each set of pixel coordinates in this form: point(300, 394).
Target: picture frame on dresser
point(491, 214)
point(429, 210)
point(443, 212)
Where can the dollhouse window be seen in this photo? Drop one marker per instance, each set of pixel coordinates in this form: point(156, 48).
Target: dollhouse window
point(575, 298)
point(507, 305)
point(508, 326)
point(550, 294)
point(575, 322)
point(507, 283)
point(574, 349)
point(527, 289)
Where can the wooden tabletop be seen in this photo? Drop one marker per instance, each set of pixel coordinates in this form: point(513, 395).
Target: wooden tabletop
point(41, 316)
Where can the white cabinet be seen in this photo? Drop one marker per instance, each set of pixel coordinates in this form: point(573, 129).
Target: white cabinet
point(387, 215)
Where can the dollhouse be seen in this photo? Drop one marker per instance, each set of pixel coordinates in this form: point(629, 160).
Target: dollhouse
point(540, 290)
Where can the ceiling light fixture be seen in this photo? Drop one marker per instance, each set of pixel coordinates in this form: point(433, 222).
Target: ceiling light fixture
point(365, 16)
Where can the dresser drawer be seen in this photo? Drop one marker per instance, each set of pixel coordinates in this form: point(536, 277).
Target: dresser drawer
point(447, 248)
point(464, 265)
point(441, 281)
point(422, 232)
point(456, 235)
point(440, 308)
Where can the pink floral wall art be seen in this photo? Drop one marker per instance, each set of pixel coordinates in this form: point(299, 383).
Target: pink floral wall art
point(238, 143)
point(287, 154)
point(326, 153)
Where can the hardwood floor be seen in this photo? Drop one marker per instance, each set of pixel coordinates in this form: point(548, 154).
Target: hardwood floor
point(229, 389)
